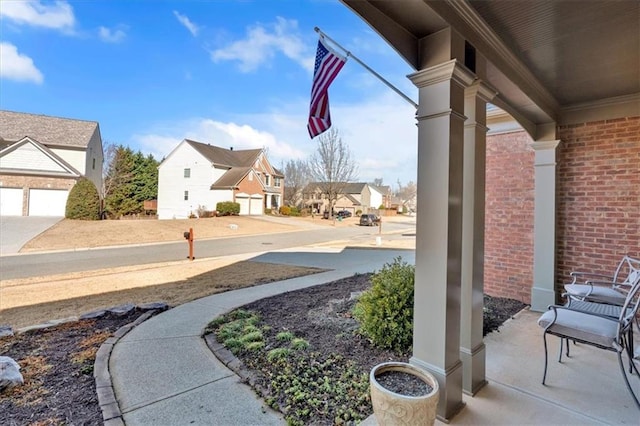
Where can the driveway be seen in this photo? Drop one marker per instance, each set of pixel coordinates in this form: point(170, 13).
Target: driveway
point(16, 231)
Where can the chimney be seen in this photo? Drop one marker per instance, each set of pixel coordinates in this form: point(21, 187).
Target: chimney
point(231, 149)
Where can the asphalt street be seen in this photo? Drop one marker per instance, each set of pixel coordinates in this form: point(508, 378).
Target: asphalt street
point(41, 264)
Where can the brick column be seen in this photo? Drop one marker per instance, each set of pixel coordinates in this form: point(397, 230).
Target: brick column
point(436, 333)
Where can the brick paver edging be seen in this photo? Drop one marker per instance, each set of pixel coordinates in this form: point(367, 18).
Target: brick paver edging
point(111, 414)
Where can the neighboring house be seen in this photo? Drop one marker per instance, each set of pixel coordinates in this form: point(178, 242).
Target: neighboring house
point(352, 197)
point(42, 158)
point(197, 176)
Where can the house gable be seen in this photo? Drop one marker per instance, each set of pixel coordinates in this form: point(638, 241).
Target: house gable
point(29, 157)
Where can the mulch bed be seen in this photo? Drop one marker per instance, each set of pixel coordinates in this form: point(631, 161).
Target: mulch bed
point(322, 316)
point(57, 366)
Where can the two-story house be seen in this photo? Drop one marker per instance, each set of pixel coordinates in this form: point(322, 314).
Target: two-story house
point(42, 158)
point(197, 176)
point(353, 196)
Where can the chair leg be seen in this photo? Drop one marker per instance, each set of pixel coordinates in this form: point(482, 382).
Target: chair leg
point(626, 379)
point(560, 351)
point(544, 375)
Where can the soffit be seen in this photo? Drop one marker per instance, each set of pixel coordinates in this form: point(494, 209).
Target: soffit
point(543, 56)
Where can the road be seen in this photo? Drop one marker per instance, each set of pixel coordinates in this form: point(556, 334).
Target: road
point(42, 264)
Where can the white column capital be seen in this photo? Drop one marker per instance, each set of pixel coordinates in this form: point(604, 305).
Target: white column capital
point(545, 145)
point(482, 90)
point(450, 70)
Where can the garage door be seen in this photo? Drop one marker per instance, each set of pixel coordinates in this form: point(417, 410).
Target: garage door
point(47, 202)
point(244, 204)
point(10, 201)
point(256, 204)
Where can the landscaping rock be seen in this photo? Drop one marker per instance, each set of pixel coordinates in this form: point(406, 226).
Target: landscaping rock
point(9, 373)
point(6, 330)
point(122, 309)
point(93, 314)
point(161, 306)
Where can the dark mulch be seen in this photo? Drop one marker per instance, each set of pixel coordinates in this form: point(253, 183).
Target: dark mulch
point(57, 367)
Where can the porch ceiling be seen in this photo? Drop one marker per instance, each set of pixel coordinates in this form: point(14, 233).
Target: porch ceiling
point(546, 58)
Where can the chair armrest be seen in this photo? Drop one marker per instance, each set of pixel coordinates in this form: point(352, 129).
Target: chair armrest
point(586, 275)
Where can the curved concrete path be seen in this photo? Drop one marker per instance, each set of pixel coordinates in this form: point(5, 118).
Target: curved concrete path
point(163, 373)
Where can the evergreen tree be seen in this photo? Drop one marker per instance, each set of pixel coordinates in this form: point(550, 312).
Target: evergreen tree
point(131, 179)
point(83, 201)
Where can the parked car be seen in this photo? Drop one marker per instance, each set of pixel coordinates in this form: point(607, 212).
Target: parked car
point(343, 213)
point(369, 220)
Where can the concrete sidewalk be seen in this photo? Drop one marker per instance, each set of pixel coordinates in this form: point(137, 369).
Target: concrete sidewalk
point(163, 373)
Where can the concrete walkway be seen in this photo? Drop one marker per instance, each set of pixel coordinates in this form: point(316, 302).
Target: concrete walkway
point(163, 373)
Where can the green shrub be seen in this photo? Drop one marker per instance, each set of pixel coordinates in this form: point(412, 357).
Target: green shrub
point(294, 212)
point(83, 201)
point(228, 208)
point(385, 311)
point(358, 212)
point(285, 210)
point(284, 336)
point(298, 344)
point(267, 211)
point(277, 353)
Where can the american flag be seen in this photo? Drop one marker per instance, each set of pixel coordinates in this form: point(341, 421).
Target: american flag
point(328, 65)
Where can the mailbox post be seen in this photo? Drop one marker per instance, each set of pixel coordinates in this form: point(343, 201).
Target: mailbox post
point(189, 237)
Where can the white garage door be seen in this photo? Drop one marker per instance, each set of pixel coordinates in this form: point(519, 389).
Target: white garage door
point(256, 204)
point(47, 202)
point(10, 201)
point(244, 204)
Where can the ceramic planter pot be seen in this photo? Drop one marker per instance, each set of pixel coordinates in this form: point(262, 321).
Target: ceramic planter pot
point(392, 408)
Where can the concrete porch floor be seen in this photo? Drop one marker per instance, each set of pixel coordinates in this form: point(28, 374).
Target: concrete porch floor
point(585, 389)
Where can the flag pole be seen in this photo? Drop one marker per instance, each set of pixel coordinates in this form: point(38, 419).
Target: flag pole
point(349, 54)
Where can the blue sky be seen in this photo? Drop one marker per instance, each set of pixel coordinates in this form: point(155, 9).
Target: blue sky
point(228, 73)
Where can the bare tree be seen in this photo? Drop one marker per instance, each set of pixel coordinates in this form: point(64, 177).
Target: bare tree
point(296, 177)
point(332, 166)
point(407, 194)
point(377, 182)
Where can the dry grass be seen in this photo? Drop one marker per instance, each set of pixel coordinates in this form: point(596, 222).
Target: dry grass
point(74, 234)
point(37, 300)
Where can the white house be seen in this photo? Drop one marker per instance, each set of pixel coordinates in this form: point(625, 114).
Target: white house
point(42, 158)
point(197, 176)
point(353, 196)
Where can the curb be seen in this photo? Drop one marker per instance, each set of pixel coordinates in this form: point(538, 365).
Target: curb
point(111, 414)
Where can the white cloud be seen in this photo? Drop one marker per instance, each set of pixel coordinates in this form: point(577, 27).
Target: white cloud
point(262, 43)
point(186, 22)
point(55, 16)
point(109, 35)
point(17, 66)
point(222, 134)
point(381, 133)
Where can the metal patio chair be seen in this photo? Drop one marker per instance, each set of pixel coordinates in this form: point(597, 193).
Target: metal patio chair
point(601, 331)
point(600, 288)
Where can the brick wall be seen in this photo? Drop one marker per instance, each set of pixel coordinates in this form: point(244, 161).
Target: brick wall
point(598, 203)
point(508, 269)
point(598, 196)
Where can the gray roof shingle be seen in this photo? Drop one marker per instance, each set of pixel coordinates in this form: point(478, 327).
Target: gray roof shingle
point(49, 131)
point(226, 157)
